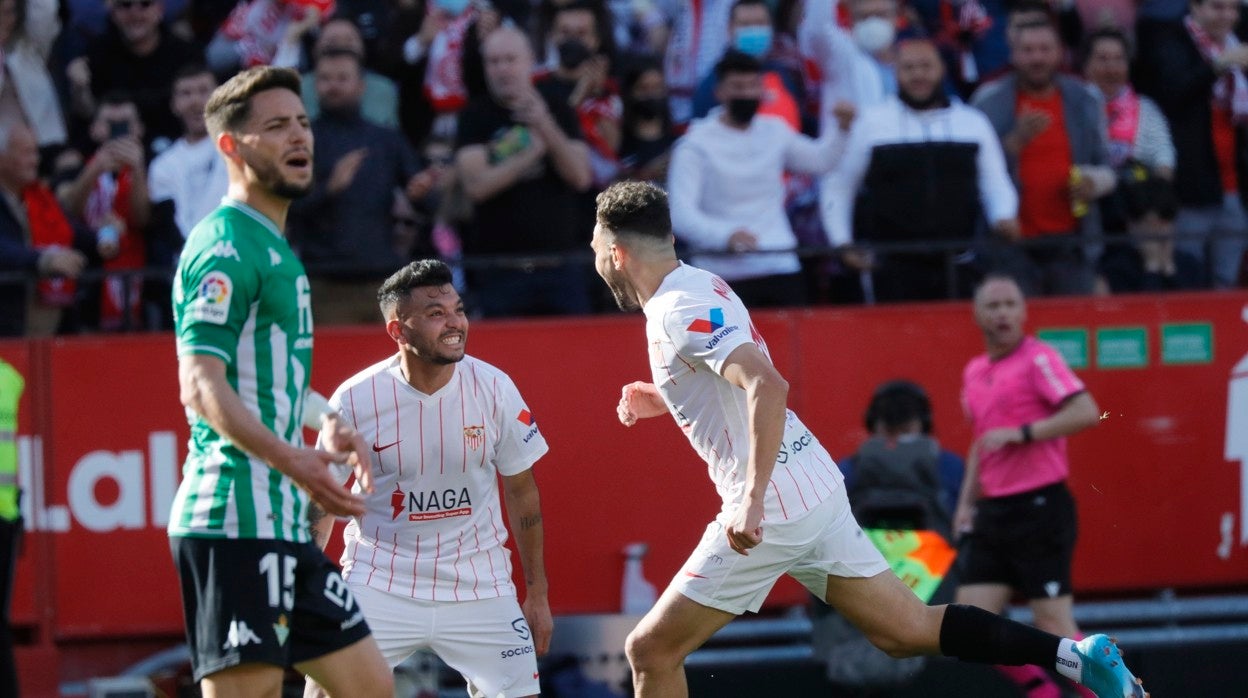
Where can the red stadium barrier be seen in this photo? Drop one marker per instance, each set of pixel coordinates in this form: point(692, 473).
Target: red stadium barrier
point(1160, 482)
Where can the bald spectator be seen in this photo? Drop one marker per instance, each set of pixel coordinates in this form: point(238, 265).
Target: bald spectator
point(138, 55)
point(523, 163)
point(35, 238)
point(381, 97)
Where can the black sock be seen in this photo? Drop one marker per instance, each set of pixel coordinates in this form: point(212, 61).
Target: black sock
point(975, 635)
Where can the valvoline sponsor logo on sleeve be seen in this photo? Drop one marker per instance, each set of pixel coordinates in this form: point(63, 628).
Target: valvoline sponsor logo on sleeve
point(526, 418)
point(712, 324)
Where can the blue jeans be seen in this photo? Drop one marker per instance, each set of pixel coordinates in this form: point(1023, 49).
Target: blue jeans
point(1219, 236)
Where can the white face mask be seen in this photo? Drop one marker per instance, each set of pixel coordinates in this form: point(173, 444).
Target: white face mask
point(874, 34)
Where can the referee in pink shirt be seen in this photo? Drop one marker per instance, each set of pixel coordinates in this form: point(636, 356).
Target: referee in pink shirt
point(1015, 512)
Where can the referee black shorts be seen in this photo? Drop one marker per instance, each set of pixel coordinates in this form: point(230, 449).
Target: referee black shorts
point(262, 601)
point(1024, 540)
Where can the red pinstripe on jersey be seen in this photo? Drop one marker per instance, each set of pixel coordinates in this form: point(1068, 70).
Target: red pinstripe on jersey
point(439, 530)
point(694, 323)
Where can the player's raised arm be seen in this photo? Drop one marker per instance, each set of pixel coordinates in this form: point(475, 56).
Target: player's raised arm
point(204, 389)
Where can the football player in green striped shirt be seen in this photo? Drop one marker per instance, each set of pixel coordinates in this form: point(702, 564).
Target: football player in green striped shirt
point(258, 594)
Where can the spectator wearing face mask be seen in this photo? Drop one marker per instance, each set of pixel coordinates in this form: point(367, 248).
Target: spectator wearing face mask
point(857, 65)
point(646, 143)
point(751, 31)
point(726, 185)
point(581, 79)
point(698, 38)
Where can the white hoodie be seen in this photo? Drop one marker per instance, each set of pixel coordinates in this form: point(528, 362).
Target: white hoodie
point(724, 179)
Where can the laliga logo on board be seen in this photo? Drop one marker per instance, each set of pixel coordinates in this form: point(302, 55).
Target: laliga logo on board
point(144, 496)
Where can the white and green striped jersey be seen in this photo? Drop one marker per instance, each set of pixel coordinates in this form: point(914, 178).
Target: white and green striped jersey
point(240, 294)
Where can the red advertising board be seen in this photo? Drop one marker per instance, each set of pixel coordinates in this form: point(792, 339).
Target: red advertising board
point(1162, 471)
point(26, 606)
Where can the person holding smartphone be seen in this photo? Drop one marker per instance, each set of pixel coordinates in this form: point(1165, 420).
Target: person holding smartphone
point(110, 195)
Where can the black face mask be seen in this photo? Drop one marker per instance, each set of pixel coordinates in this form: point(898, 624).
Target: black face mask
point(572, 54)
point(743, 109)
point(651, 108)
point(936, 100)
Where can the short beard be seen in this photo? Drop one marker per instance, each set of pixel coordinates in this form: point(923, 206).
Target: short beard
point(270, 176)
point(445, 360)
point(287, 190)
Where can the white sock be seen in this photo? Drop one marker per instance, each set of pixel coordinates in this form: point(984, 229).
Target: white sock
point(1069, 664)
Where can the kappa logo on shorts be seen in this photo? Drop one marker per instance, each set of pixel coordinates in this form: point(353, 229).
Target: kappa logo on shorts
point(474, 436)
point(240, 635)
point(1052, 588)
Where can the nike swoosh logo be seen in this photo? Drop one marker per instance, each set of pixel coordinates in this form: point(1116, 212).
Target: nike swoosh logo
point(379, 449)
point(693, 574)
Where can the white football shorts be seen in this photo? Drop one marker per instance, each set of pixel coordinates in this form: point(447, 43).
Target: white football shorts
point(487, 641)
point(825, 542)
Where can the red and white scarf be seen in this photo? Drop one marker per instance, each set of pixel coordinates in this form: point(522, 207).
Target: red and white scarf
point(961, 24)
point(1231, 91)
point(1123, 113)
point(444, 78)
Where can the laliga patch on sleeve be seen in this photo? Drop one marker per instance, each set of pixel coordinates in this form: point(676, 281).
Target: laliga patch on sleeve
point(212, 300)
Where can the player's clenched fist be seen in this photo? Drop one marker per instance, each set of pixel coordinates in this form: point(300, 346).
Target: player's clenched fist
point(639, 400)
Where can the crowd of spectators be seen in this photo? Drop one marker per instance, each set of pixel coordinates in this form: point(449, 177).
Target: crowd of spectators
point(817, 151)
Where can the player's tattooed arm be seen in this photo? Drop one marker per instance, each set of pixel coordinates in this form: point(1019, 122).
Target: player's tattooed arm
point(524, 512)
point(321, 524)
point(530, 521)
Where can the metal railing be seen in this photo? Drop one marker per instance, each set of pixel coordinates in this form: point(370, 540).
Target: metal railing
point(952, 251)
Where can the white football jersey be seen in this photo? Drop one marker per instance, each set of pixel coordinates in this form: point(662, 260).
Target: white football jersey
point(434, 528)
point(693, 322)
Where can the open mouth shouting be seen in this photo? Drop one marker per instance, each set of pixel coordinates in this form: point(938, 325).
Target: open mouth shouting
point(299, 161)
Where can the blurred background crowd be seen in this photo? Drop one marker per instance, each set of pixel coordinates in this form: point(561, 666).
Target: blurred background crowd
point(816, 151)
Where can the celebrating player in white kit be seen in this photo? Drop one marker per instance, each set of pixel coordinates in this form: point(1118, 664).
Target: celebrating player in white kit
point(427, 561)
point(784, 505)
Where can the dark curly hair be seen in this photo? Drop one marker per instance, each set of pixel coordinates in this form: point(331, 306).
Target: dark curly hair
point(635, 208)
